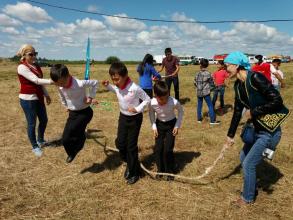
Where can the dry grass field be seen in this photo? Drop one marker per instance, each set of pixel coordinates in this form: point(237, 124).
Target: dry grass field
point(92, 186)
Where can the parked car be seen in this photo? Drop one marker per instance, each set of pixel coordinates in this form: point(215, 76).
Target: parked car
point(212, 61)
point(196, 60)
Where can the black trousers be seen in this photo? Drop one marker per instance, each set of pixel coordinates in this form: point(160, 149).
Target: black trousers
point(149, 92)
point(175, 81)
point(126, 141)
point(164, 146)
point(73, 137)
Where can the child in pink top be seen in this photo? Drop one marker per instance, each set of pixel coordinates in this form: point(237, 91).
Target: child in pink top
point(220, 77)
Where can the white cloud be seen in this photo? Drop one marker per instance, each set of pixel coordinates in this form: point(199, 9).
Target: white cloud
point(9, 30)
point(194, 29)
point(8, 21)
point(130, 39)
point(92, 8)
point(124, 25)
point(27, 12)
point(90, 24)
point(257, 32)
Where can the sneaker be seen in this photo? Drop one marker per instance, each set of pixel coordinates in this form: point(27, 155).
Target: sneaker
point(199, 121)
point(42, 143)
point(215, 123)
point(37, 151)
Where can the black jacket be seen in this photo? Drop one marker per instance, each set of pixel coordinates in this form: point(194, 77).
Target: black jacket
point(273, 101)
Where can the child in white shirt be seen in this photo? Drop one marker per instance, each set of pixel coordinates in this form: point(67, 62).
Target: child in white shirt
point(73, 96)
point(130, 119)
point(277, 75)
point(165, 126)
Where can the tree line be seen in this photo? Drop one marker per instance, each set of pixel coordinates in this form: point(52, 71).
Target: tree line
point(48, 62)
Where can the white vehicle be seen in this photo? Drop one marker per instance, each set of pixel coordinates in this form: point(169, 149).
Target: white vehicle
point(212, 61)
point(196, 60)
point(252, 59)
point(158, 59)
point(267, 60)
point(185, 60)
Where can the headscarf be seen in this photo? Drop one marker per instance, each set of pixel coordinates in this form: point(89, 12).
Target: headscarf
point(238, 58)
point(26, 48)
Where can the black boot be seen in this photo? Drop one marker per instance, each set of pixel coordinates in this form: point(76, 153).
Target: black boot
point(126, 173)
point(132, 180)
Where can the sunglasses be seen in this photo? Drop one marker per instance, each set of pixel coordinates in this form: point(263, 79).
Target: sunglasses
point(33, 54)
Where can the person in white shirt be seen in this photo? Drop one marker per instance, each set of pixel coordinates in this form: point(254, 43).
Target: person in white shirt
point(277, 75)
point(165, 126)
point(74, 97)
point(130, 119)
point(31, 96)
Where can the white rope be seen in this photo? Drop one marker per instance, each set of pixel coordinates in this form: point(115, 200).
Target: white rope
point(177, 177)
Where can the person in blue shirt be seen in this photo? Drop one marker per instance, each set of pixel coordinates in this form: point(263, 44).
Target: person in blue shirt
point(147, 73)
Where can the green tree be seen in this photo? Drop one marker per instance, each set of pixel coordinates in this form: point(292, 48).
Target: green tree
point(111, 59)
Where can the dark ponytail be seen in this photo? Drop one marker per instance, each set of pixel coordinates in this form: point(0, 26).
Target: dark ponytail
point(148, 59)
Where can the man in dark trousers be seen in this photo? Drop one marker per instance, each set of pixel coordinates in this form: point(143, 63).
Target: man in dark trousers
point(171, 65)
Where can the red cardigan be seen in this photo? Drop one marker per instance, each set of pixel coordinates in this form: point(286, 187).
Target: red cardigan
point(28, 87)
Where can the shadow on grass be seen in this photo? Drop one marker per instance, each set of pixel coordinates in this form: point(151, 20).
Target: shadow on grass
point(222, 111)
point(267, 176)
point(181, 160)
point(112, 160)
point(54, 143)
point(185, 100)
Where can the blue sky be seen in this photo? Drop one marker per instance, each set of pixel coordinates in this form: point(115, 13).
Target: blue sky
point(62, 34)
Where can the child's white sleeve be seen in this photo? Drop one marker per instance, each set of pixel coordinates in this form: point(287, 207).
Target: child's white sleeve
point(281, 74)
point(111, 88)
point(152, 116)
point(93, 85)
point(273, 69)
point(180, 110)
point(62, 97)
point(145, 100)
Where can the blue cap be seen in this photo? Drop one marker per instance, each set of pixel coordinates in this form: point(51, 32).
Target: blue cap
point(238, 58)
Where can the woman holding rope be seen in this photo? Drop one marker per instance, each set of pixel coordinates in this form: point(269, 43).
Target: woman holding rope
point(266, 110)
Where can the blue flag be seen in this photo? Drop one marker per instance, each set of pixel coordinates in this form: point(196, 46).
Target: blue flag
point(87, 65)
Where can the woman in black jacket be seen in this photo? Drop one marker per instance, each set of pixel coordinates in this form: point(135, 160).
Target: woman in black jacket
point(266, 111)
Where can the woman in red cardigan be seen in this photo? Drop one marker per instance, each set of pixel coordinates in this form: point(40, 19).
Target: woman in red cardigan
point(31, 96)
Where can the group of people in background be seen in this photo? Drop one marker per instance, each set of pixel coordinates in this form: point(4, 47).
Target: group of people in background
point(253, 90)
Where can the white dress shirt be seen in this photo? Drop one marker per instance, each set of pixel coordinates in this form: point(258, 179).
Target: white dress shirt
point(275, 81)
point(129, 97)
point(73, 98)
point(165, 112)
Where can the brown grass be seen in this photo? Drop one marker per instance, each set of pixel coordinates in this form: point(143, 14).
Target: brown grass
point(92, 187)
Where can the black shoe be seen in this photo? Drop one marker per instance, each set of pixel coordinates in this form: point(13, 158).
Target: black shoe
point(132, 180)
point(126, 173)
point(70, 158)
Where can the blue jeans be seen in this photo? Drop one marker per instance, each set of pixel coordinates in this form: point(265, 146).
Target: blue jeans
point(221, 90)
point(210, 106)
point(251, 156)
point(33, 109)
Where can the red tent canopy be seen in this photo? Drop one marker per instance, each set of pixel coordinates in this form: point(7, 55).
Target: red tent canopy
point(220, 56)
